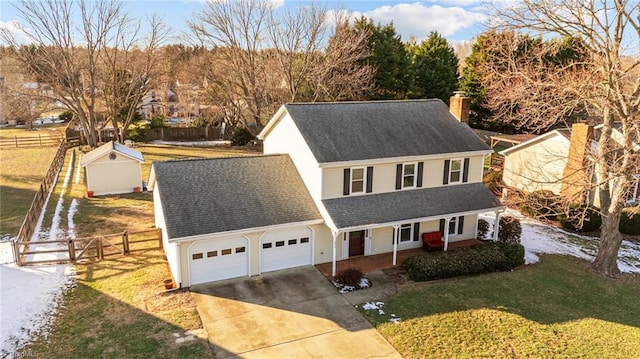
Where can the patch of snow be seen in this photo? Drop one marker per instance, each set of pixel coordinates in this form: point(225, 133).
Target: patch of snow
point(346, 289)
point(395, 320)
point(30, 296)
point(194, 143)
point(364, 283)
point(78, 168)
point(372, 305)
point(71, 226)
point(539, 238)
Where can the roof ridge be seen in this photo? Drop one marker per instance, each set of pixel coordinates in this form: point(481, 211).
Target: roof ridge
point(220, 158)
point(364, 102)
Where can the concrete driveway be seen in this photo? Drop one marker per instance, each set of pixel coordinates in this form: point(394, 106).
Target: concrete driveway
point(294, 313)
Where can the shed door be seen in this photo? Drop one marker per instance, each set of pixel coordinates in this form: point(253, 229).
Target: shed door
point(285, 249)
point(218, 259)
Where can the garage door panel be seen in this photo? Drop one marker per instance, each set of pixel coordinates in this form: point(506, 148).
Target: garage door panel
point(218, 259)
point(285, 249)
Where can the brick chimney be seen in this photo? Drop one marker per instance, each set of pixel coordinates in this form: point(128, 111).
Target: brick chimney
point(576, 177)
point(459, 106)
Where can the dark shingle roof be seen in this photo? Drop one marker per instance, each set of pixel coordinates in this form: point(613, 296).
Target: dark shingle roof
point(401, 206)
point(346, 131)
point(224, 194)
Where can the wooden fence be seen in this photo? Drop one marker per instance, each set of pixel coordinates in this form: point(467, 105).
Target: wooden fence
point(31, 141)
point(182, 133)
point(30, 220)
point(80, 250)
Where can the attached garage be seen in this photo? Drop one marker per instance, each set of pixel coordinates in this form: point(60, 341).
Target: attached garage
point(218, 259)
point(225, 218)
point(285, 249)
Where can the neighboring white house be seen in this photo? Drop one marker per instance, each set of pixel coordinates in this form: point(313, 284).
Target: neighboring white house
point(560, 161)
point(337, 180)
point(113, 169)
point(537, 164)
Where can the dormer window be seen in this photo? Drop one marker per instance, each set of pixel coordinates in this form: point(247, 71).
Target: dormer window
point(456, 171)
point(357, 180)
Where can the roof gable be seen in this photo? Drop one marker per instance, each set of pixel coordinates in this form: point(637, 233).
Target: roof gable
point(109, 147)
point(351, 131)
point(562, 134)
point(202, 196)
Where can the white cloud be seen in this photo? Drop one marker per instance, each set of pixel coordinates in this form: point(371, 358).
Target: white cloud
point(418, 20)
point(12, 29)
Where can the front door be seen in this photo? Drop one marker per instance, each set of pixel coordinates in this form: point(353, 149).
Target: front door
point(356, 243)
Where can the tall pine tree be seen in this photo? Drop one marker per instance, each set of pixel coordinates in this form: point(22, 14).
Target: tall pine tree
point(435, 68)
point(390, 60)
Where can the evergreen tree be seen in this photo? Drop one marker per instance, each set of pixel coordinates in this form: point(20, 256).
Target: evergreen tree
point(471, 84)
point(435, 68)
point(389, 58)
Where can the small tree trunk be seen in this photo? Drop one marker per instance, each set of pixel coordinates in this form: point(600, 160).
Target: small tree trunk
point(606, 261)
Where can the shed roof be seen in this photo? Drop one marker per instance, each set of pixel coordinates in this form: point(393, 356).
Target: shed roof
point(411, 205)
point(348, 131)
point(202, 196)
point(109, 147)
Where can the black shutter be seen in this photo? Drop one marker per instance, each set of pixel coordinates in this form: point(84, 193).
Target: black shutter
point(442, 227)
point(445, 178)
point(460, 224)
point(369, 179)
point(465, 173)
point(399, 176)
point(346, 184)
point(416, 231)
point(420, 170)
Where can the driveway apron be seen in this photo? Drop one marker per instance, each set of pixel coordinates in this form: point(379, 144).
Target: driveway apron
point(294, 313)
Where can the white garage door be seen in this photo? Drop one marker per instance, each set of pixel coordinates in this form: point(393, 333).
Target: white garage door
point(285, 249)
point(218, 259)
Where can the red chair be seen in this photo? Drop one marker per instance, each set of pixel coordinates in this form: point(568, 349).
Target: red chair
point(432, 241)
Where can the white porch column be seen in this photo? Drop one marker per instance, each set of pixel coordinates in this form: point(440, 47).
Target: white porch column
point(447, 220)
point(396, 234)
point(496, 226)
point(333, 263)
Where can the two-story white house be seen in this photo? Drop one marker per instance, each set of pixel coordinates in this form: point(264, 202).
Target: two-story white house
point(337, 180)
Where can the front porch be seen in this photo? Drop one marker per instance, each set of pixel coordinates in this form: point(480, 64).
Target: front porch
point(382, 261)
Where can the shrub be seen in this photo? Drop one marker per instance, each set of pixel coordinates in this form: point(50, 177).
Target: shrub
point(630, 222)
point(349, 276)
point(582, 218)
point(490, 257)
point(493, 181)
point(540, 204)
point(483, 228)
point(509, 230)
point(241, 136)
point(66, 116)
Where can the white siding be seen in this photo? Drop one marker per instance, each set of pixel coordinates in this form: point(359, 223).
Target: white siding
point(539, 166)
point(171, 250)
point(105, 176)
point(384, 176)
point(285, 138)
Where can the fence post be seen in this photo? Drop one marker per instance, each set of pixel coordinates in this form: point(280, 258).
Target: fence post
point(100, 248)
point(16, 138)
point(125, 241)
point(72, 250)
point(40, 139)
point(159, 231)
point(16, 251)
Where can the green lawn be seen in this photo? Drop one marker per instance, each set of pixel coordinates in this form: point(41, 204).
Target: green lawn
point(557, 308)
point(119, 308)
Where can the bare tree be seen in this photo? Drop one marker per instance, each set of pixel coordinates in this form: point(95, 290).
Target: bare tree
point(263, 56)
point(131, 69)
point(610, 33)
point(341, 72)
point(71, 41)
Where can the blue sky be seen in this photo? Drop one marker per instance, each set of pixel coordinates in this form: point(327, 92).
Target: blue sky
point(457, 20)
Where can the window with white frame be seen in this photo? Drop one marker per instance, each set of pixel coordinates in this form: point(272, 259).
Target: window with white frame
point(455, 171)
point(406, 232)
point(409, 175)
point(357, 180)
point(453, 225)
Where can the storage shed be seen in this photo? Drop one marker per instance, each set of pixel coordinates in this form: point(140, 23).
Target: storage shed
point(113, 169)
